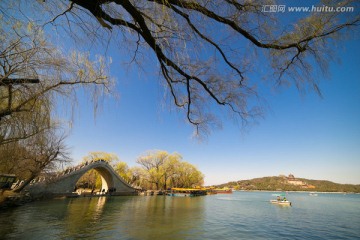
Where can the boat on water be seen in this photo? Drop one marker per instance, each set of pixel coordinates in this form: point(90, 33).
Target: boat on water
point(280, 200)
point(313, 194)
point(223, 191)
point(186, 192)
point(210, 191)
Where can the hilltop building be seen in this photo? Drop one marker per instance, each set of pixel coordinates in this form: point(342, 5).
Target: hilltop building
point(293, 181)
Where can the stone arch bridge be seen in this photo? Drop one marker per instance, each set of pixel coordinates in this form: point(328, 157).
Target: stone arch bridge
point(63, 184)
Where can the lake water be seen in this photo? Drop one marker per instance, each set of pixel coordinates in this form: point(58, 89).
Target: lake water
point(241, 215)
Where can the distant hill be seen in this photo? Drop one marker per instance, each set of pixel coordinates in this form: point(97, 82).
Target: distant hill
point(290, 183)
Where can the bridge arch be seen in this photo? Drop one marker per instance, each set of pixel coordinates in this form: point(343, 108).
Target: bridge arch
point(65, 182)
point(107, 181)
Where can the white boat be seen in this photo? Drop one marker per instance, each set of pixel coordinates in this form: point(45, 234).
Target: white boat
point(280, 200)
point(313, 194)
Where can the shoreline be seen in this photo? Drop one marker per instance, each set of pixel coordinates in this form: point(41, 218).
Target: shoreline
point(295, 191)
point(10, 199)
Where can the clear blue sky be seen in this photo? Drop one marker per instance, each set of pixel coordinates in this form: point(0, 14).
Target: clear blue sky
point(305, 135)
point(308, 136)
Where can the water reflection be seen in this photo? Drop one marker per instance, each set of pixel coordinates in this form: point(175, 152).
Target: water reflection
point(133, 217)
point(8, 224)
point(84, 213)
point(150, 218)
point(161, 217)
point(239, 216)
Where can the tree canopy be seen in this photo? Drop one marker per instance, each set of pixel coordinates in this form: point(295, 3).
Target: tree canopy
point(206, 50)
point(35, 76)
point(162, 170)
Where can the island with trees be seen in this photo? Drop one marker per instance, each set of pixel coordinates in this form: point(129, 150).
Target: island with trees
point(290, 183)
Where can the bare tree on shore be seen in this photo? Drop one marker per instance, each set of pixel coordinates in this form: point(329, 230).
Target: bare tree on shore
point(35, 79)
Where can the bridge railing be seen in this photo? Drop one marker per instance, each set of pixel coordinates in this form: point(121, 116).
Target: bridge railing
point(57, 176)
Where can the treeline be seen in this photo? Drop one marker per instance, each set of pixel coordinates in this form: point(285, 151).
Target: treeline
point(156, 170)
point(327, 186)
point(281, 184)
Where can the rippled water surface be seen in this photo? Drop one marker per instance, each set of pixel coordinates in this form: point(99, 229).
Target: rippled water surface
point(241, 215)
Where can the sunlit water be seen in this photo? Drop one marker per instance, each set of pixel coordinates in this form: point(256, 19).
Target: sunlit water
point(241, 215)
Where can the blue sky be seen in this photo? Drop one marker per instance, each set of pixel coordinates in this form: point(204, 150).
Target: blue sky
point(308, 136)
